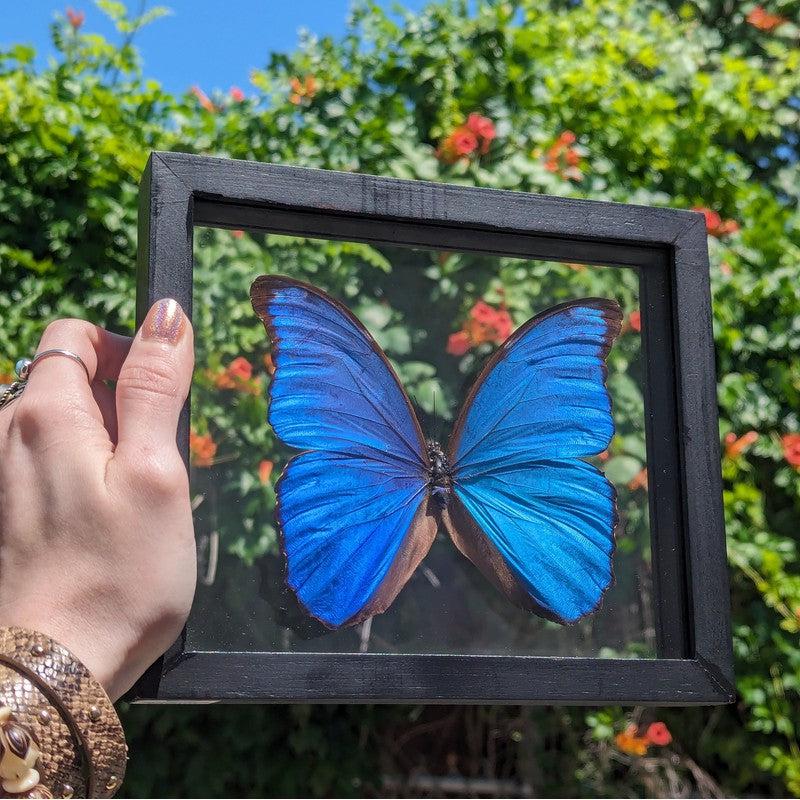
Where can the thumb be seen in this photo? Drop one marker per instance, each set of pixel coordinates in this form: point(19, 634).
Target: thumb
point(154, 382)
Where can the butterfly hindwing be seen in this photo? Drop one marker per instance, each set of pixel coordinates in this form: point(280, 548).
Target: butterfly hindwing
point(534, 517)
point(353, 532)
point(353, 509)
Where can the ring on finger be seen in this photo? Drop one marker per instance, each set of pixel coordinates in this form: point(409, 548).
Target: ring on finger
point(25, 366)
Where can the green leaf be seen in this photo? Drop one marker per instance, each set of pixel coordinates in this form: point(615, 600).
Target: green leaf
point(620, 470)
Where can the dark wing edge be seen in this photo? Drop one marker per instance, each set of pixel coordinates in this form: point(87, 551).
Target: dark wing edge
point(612, 314)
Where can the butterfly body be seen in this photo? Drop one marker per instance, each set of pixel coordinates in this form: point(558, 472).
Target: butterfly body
point(359, 507)
point(440, 477)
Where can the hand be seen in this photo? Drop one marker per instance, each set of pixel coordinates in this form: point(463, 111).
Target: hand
point(96, 541)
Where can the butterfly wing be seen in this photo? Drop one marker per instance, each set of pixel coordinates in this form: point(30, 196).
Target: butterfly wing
point(527, 511)
point(352, 510)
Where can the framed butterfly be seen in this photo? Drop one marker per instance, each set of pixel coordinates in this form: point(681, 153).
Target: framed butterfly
point(359, 508)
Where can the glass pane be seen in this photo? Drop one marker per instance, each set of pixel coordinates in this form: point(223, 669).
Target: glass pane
point(420, 305)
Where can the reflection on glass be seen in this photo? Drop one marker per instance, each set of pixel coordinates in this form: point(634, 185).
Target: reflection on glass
point(437, 315)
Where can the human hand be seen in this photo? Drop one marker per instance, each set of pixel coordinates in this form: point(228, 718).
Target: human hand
point(96, 540)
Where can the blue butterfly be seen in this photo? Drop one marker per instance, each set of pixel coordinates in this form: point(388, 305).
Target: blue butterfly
point(359, 508)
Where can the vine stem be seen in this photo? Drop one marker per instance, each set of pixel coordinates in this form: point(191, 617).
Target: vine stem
point(127, 41)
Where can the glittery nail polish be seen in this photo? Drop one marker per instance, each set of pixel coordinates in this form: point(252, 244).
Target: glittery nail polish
point(165, 322)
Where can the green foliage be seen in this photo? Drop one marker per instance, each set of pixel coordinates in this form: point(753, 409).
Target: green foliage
point(672, 103)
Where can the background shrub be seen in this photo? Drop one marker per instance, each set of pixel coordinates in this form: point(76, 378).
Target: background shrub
point(686, 104)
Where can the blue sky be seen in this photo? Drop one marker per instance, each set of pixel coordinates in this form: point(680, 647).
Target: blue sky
point(213, 43)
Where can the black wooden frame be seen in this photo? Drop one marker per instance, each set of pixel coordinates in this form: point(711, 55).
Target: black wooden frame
point(669, 249)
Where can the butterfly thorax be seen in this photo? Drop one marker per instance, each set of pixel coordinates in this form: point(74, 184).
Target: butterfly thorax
point(440, 480)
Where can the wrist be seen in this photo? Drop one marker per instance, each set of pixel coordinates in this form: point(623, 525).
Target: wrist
point(91, 648)
point(81, 749)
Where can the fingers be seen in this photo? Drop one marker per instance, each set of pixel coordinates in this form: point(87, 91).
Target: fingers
point(152, 386)
point(64, 380)
point(59, 394)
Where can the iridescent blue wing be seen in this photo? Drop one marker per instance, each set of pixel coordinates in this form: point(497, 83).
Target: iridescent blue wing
point(353, 509)
point(534, 517)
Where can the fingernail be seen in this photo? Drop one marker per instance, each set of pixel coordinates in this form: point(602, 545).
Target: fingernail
point(165, 322)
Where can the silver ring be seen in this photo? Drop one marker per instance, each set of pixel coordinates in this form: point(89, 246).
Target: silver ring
point(55, 352)
point(23, 370)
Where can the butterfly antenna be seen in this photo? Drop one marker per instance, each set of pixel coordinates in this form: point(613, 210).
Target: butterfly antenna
point(421, 417)
point(438, 424)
